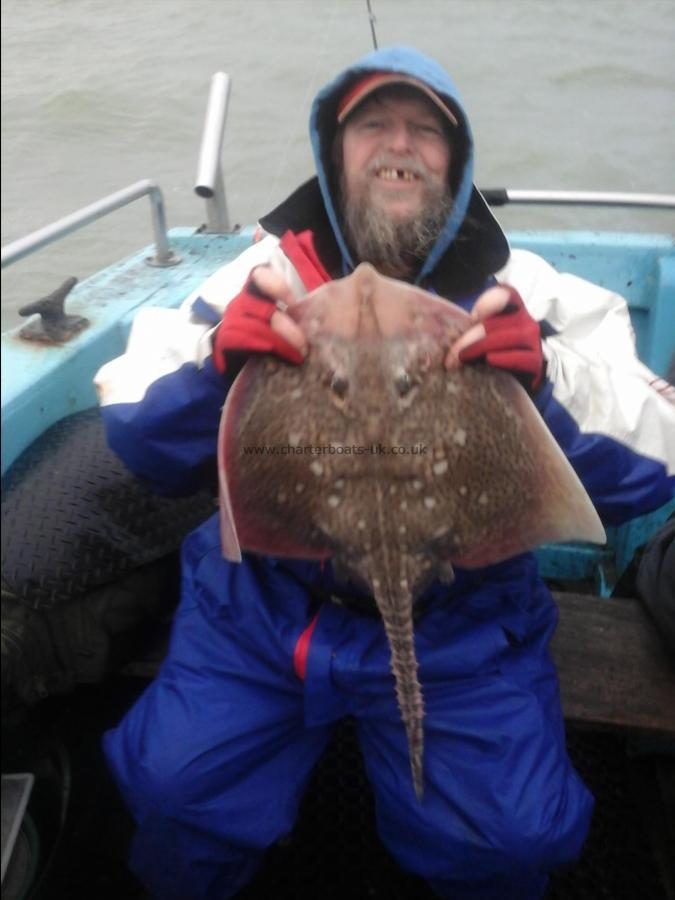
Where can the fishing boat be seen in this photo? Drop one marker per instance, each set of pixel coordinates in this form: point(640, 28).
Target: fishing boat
point(82, 533)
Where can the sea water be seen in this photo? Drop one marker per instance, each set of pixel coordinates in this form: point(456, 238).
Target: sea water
point(562, 94)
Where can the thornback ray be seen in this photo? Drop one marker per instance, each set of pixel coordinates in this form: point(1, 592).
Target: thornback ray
point(372, 453)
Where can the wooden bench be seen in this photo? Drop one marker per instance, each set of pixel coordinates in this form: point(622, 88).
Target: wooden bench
point(615, 669)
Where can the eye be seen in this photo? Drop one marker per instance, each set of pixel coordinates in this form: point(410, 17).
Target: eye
point(339, 385)
point(403, 383)
point(371, 124)
point(430, 130)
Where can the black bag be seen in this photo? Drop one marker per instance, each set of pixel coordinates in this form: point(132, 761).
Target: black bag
point(655, 580)
point(88, 554)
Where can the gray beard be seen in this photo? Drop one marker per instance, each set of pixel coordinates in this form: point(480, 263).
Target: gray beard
point(395, 248)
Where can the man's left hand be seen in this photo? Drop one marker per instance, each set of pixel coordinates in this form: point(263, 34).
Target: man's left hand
point(504, 335)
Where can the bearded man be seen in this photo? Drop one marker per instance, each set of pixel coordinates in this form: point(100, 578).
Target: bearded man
point(213, 758)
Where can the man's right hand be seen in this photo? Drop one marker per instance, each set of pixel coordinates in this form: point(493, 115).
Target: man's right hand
point(255, 322)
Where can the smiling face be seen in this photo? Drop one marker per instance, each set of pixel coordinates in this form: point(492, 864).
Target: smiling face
point(395, 149)
point(395, 158)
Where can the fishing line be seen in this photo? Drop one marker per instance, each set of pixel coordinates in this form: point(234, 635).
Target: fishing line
point(371, 16)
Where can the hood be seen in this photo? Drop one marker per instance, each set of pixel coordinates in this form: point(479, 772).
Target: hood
point(471, 236)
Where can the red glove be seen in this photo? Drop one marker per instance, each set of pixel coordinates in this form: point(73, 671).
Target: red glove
point(246, 328)
point(512, 341)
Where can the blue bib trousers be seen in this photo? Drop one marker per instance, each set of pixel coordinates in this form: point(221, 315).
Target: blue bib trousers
point(213, 758)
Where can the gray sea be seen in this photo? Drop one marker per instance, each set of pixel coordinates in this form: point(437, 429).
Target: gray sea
point(563, 94)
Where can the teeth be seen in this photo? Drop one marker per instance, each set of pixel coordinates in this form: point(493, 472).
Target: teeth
point(395, 174)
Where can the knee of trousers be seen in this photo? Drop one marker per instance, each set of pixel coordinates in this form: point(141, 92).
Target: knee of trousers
point(212, 797)
point(147, 780)
point(154, 778)
point(502, 842)
point(543, 843)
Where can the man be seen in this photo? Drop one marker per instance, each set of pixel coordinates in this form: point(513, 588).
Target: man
point(214, 757)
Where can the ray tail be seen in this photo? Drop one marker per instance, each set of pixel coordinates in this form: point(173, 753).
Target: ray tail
point(396, 612)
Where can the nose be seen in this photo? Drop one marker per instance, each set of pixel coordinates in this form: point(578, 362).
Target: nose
point(398, 138)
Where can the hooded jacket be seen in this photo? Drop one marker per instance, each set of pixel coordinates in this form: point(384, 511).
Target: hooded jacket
point(470, 247)
point(161, 401)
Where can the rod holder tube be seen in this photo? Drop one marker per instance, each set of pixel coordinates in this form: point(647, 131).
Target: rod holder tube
point(164, 256)
point(502, 196)
point(210, 184)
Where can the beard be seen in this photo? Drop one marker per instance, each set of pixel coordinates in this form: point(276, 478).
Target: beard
point(395, 246)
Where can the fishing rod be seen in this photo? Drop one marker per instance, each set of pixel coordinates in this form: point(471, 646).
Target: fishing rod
point(371, 16)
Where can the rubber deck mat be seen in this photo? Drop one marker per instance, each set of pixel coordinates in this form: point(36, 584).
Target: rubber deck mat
point(334, 851)
point(70, 496)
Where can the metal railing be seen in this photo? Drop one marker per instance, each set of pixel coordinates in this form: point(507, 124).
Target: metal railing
point(502, 196)
point(164, 255)
point(210, 183)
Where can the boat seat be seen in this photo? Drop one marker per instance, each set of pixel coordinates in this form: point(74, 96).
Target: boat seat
point(614, 666)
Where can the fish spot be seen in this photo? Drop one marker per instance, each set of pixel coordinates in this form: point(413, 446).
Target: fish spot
point(339, 484)
point(299, 488)
point(483, 499)
point(316, 467)
point(417, 484)
point(462, 490)
point(392, 488)
point(403, 504)
point(451, 387)
point(402, 529)
point(459, 437)
point(333, 500)
point(404, 583)
point(281, 497)
point(296, 393)
point(361, 525)
point(439, 453)
point(294, 438)
point(376, 583)
point(430, 502)
point(440, 467)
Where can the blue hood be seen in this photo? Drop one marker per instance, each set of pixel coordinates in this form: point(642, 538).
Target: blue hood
point(323, 126)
